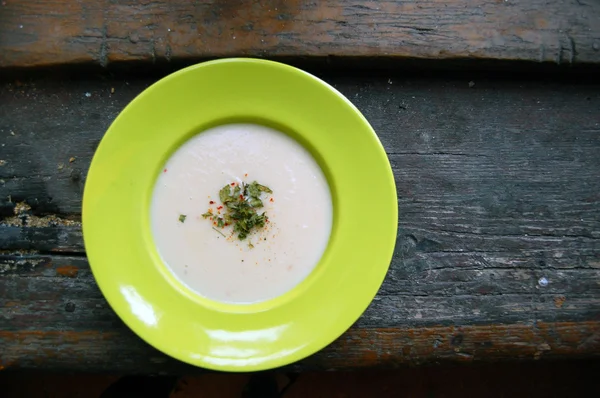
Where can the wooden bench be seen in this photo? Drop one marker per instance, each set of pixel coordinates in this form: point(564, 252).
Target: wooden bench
point(498, 250)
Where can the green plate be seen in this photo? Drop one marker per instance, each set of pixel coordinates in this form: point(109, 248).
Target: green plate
point(196, 330)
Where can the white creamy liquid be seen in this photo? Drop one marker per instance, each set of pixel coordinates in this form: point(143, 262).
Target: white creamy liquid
point(227, 269)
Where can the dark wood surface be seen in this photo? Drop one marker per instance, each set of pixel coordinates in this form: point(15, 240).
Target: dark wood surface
point(498, 185)
point(541, 379)
point(103, 32)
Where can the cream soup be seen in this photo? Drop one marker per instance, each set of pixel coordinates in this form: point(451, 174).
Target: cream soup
point(211, 260)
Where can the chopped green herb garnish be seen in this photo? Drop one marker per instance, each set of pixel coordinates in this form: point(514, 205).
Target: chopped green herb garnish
point(219, 232)
point(224, 194)
point(240, 204)
point(182, 218)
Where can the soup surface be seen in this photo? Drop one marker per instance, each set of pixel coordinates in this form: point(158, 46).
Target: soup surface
point(210, 259)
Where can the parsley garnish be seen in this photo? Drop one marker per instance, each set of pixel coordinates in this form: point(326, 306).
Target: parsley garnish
point(240, 208)
point(182, 218)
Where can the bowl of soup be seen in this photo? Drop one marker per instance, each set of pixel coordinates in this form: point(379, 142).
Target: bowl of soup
point(240, 214)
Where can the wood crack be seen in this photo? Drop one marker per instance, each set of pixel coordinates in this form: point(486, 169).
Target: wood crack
point(468, 155)
point(525, 236)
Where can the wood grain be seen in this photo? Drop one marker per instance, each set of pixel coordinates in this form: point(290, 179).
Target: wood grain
point(60, 292)
point(42, 33)
point(122, 351)
point(498, 188)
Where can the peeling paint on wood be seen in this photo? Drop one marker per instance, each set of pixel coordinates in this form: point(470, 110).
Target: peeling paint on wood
point(69, 271)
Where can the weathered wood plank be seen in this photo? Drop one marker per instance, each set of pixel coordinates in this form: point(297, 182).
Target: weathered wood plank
point(53, 316)
point(42, 33)
point(97, 350)
point(502, 149)
point(504, 166)
point(422, 290)
point(498, 187)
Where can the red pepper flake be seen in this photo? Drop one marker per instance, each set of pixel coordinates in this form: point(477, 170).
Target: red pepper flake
point(211, 203)
point(241, 197)
point(219, 208)
point(233, 184)
point(271, 200)
point(246, 175)
point(165, 170)
point(214, 223)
